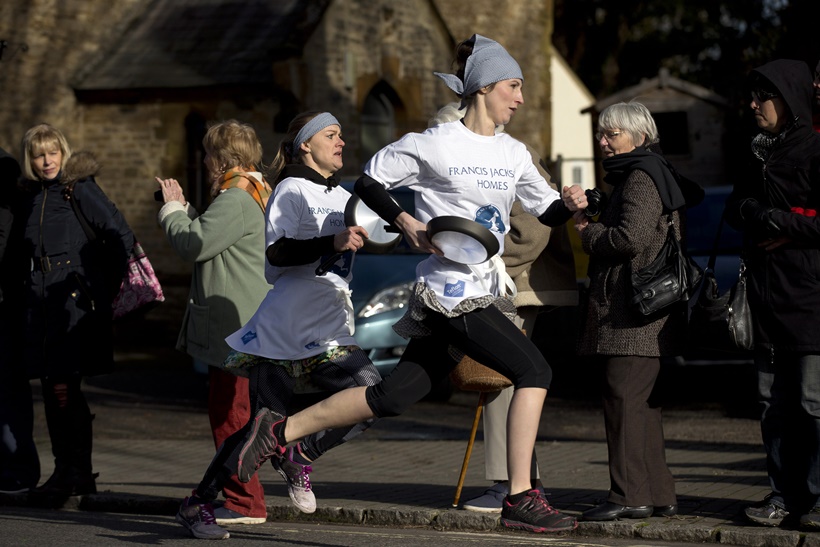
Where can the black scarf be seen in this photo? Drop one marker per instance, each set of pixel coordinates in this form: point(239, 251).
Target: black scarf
point(675, 190)
point(764, 142)
point(304, 172)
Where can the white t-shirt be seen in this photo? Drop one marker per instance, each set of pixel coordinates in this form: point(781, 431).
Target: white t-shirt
point(303, 314)
point(460, 173)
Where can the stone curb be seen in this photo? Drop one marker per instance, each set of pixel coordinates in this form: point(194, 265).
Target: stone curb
point(688, 530)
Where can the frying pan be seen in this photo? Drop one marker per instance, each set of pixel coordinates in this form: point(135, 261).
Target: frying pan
point(461, 240)
point(382, 236)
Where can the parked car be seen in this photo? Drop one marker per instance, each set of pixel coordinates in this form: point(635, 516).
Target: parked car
point(710, 375)
point(381, 291)
point(703, 222)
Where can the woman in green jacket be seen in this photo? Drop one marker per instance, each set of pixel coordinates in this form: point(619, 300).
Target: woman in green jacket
point(226, 244)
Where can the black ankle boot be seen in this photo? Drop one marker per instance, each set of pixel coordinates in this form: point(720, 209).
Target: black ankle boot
point(67, 483)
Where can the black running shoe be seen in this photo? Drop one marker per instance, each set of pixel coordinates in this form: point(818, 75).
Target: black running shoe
point(535, 514)
point(260, 444)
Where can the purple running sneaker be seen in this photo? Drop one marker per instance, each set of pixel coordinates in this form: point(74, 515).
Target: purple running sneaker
point(298, 478)
point(198, 518)
point(535, 514)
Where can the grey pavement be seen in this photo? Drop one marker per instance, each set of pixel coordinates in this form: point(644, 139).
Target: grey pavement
point(152, 447)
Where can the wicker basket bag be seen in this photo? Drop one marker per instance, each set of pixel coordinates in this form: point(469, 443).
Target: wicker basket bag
point(470, 375)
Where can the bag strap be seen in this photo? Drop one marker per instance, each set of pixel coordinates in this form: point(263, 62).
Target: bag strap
point(670, 230)
point(89, 232)
point(710, 266)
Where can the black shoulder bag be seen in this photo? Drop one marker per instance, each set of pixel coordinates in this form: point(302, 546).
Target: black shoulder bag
point(672, 277)
point(721, 322)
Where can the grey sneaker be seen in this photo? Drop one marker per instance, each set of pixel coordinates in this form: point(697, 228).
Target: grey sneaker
point(490, 501)
point(298, 479)
point(199, 520)
point(226, 517)
point(260, 444)
point(534, 513)
point(766, 513)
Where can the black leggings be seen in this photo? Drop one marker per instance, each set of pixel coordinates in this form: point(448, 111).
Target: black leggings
point(270, 386)
point(486, 335)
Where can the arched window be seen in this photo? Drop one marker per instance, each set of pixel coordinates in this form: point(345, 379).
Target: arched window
point(378, 121)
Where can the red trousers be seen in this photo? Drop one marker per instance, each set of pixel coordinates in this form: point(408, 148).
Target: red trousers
point(229, 409)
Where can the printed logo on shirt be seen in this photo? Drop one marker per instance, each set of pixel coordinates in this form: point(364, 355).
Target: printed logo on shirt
point(342, 266)
point(499, 178)
point(333, 218)
point(248, 336)
point(453, 288)
point(490, 217)
point(312, 345)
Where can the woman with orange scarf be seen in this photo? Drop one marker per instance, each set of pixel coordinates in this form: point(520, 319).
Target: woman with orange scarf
point(226, 245)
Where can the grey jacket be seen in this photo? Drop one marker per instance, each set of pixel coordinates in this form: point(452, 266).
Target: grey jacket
point(630, 232)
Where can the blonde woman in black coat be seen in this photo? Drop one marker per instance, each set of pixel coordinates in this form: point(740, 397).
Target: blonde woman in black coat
point(71, 284)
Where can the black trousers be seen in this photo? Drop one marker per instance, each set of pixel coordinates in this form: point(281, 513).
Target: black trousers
point(634, 433)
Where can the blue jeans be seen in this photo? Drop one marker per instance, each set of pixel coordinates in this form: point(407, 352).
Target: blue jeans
point(789, 389)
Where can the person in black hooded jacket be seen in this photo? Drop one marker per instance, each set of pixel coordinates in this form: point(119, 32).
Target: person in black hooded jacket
point(775, 206)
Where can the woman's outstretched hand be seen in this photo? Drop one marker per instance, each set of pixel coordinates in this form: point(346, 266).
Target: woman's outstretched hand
point(171, 190)
point(415, 232)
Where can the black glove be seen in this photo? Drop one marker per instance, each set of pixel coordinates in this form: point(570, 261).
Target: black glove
point(758, 218)
point(595, 202)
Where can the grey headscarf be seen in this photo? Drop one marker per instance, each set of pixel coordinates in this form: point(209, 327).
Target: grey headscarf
point(487, 64)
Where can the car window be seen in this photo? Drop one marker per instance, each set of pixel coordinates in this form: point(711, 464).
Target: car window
point(703, 220)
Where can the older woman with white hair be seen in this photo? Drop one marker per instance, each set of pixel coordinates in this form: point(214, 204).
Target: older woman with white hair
point(627, 236)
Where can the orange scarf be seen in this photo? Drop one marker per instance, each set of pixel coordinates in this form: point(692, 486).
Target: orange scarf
point(259, 191)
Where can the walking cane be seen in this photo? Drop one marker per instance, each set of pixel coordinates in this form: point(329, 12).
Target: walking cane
point(482, 398)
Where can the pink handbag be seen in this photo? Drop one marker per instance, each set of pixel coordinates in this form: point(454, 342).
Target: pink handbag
point(140, 286)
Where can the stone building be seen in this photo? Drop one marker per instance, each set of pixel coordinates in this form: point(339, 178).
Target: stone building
point(137, 81)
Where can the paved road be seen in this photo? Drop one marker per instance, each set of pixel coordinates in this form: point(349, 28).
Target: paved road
point(152, 443)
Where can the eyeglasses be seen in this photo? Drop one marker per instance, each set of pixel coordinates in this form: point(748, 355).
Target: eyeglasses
point(608, 135)
point(761, 95)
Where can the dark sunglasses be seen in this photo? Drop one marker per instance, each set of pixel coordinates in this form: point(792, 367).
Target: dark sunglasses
point(763, 95)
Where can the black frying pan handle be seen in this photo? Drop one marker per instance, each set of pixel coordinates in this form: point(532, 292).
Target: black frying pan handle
point(325, 266)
